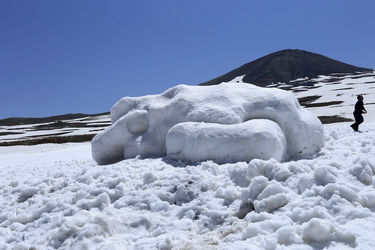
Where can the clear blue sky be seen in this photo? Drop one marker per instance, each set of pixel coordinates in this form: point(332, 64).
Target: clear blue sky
point(73, 56)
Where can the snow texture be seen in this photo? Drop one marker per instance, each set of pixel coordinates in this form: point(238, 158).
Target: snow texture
point(258, 138)
point(57, 197)
point(224, 123)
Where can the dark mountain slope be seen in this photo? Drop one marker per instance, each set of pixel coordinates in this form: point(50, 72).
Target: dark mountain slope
point(28, 120)
point(286, 65)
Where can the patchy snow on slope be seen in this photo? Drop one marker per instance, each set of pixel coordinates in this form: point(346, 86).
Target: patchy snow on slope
point(71, 127)
point(333, 95)
point(146, 125)
point(338, 95)
point(57, 197)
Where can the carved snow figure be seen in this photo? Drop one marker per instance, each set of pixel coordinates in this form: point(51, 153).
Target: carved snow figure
point(224, 123)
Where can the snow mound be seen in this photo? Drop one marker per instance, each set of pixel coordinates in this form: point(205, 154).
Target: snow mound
point(226, 123)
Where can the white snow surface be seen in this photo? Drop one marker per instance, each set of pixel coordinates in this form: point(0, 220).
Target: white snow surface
point(197, 141)
point(145, 125)
point(57, 197)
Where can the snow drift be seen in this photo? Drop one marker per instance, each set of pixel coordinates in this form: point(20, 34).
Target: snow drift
point(224, 123)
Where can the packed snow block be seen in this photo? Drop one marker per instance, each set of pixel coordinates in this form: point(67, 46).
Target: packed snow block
point(198, 141)
point(140, 125)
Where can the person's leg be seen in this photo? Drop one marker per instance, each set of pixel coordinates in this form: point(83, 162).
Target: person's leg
point(354, 125)
point(360, 120)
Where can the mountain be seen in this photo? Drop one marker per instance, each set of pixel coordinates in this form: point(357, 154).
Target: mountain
point(54, 129)
point(284, 66)
point(31, 120)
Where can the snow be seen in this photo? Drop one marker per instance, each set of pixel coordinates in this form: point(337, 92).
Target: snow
point(257, 138)
point(79, 126)
point(56, 196)
point(344, 89)
point(190, 118)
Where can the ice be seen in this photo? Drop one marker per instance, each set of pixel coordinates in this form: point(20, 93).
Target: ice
point(225, 123)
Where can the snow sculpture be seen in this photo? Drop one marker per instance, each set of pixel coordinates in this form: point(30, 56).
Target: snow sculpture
point(225, 123)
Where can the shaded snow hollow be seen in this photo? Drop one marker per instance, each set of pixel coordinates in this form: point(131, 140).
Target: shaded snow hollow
point(229, 122)
point(57, 197)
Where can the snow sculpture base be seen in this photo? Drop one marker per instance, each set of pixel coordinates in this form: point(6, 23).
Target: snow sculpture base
point(224, 123)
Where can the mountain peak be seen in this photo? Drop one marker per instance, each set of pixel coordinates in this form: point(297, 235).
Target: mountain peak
point(285, 66)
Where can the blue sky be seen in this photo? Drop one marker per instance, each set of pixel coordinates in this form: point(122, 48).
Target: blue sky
point(75, 56)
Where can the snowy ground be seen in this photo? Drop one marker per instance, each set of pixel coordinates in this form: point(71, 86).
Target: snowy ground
point(337, 94)
point(73, 127)
point(56, 196)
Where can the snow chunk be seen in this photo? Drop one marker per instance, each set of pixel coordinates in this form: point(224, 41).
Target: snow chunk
point(304, 182)
point(271, 169)
point(101, 201)
point(257, 185)
point(263, 117)
point(285, 235)
point(363, 172)
point(148, 178)
point(271, 203)
point(345, 192)
point(324, 175)
point(272, 189)
point(368, 199)
point(318, 230)
point(26, 193)
point(302, 215)
point(258, 138)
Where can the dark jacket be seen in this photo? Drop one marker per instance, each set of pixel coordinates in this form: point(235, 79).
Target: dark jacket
point(358, 108)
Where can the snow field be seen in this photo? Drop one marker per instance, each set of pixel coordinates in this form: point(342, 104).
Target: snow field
point(65, 200)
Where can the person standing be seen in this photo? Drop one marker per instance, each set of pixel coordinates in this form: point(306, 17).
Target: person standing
point(358, 111)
